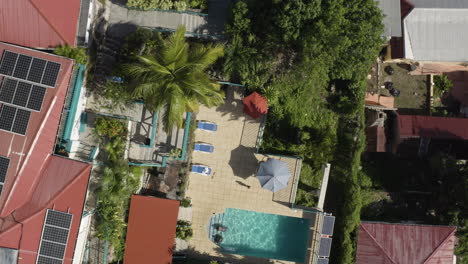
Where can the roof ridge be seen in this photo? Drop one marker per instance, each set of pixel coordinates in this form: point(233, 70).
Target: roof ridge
point(378, 244)
point(440, 245)
point(47, 21)
point(74, 180)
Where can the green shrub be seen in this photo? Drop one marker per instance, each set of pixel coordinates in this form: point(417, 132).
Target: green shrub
point(110, 127)
point(78, 53)
point(442, 85)
point(179, 5)
point(186, 202)
point(184, 230)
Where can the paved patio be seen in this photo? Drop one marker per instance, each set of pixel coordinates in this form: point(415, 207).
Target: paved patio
point(232, 184)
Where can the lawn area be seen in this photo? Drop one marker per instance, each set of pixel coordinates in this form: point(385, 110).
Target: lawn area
point(413, 88)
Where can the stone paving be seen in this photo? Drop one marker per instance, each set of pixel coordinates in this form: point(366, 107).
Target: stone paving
point(232, 184)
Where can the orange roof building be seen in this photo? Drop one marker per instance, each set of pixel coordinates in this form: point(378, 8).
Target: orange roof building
point(151, 230)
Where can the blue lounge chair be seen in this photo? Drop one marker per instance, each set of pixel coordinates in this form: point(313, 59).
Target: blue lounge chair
point(201, 169)
point(208, 126)
point(204, 147)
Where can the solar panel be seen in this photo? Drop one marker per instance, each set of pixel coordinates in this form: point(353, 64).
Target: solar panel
point(8, 62)
point(322, 261)
point(51, 249)
point(46, 260)
point(54, 237)
point(37, 70)
point(29, 68)
point(20, 125)
point(328, 225)
point(325, 247)
point(14, 119)
point(4, 163)
point(57, 218)
point(51, 72)
point(22, 94)
point(22, 66)
point(7, 116)
point(36, 98)
point(8, 90)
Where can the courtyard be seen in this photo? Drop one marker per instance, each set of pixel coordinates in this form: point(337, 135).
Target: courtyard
point(232, 183)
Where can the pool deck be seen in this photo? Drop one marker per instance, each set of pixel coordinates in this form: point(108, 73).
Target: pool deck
point(233, 184)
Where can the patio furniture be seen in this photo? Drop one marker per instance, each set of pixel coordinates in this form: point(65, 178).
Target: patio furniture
point(255, 105)
point(201, 169)
point(273, 175)
point(204, 147)
point(206, 125)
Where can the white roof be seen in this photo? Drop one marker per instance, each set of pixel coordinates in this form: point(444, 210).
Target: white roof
point(437, 34)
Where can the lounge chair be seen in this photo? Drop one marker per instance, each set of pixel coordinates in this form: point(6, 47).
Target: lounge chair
point(208, 126)
point(201, 169)
point(204, 147)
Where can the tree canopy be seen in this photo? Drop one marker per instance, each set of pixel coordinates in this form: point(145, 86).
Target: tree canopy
point(171, 76)
point(310, 59)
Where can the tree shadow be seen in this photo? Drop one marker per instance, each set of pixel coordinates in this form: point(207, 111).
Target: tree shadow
point(192, 256)
point(232, 104)
point(243, 161)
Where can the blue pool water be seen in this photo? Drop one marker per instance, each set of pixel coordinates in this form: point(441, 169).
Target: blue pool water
point(265, 235)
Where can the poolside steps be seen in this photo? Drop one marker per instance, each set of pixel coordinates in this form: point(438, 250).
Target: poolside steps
point(217, 219)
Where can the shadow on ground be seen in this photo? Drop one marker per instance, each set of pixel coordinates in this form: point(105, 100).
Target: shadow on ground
point(243, 161)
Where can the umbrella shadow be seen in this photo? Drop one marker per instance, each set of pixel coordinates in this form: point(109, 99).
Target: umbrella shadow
point(243, 161)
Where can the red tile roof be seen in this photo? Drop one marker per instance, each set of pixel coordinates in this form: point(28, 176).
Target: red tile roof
point(37, 180)
point(382, 243)
point(151, 230)
point(39, 23)
point(433, 127)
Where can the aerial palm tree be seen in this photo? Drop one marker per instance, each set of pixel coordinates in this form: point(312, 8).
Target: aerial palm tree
point(173, 78)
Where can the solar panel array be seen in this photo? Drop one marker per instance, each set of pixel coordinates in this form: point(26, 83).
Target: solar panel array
point(29, 68)
point(14, 119)
point(328, 225)
point(22, 94)
point(54, 237)
point(325, 247)
point(4, 163)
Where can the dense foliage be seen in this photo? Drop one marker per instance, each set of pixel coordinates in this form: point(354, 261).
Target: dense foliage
point(442, 85)
point(310, 59)
point(451, 205)
point(78, 53)
point(170, 75)
point(118, 182)
point(179, 5)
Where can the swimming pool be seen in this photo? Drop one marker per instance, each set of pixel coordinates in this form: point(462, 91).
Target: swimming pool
point(264, 235)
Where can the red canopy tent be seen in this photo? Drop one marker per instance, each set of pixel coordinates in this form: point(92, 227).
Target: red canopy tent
point(255, 105)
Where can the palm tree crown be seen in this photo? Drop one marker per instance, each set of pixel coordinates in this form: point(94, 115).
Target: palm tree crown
point(172, 78)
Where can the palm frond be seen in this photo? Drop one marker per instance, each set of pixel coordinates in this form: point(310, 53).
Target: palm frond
point(202, 56)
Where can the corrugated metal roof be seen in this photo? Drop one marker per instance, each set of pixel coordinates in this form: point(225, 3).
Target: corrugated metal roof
point(436, 34)
point(39, 23)
point(433, 127)
point(37, 180)
point(392, 19)
point(439, 3)
point(382, 243)
point(151, 230)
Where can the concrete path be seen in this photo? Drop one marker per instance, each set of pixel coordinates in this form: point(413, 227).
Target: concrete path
point(212, 25)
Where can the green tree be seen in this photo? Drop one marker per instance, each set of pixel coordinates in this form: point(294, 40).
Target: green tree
point(78, 53)
point(173, 78)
